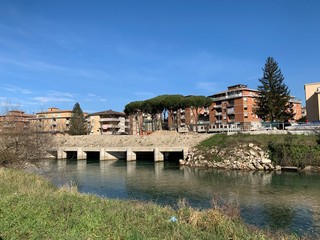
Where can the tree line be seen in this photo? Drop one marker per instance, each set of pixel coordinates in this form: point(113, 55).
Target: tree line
point(164, 106)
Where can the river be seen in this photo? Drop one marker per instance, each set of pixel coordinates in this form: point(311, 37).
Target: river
point(285, 201)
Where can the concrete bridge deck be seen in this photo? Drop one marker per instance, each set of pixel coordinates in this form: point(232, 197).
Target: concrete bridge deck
point(113, 153)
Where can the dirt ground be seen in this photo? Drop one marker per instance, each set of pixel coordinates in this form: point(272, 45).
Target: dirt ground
point(157, 139)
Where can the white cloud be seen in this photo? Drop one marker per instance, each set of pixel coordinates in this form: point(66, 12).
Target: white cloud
point(16, 89)
point(60, 94)
point(49, 99)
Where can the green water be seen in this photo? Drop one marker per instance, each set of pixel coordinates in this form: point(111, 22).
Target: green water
point(278, 201)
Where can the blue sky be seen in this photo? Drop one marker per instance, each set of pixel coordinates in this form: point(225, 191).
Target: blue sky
point(105, 54)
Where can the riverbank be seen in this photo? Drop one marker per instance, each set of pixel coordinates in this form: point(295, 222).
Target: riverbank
point(32, 208)
point(256, 152)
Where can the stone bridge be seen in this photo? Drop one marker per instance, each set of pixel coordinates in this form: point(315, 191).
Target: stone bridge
point(113, 153)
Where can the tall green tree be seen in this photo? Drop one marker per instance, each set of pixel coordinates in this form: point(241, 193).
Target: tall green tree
point(78, 125)
point(274, 95)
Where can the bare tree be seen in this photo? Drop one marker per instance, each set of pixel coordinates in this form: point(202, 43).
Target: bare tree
point(22, 140)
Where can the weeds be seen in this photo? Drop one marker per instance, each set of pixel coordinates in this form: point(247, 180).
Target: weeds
point(31, 208)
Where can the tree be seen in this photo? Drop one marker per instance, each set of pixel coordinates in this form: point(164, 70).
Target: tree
point(274, 96)
point(22, 140)
point(78, 124)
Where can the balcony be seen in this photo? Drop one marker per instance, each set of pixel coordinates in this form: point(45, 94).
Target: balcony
point(230, 111)
point(230, 104)
point(228, 96)
point(108, 126)
point(109, 120)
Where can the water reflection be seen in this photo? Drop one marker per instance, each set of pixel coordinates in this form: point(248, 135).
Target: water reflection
point(289, 201)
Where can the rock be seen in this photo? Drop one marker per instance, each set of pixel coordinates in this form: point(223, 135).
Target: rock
point(271, 166)
point(251, 166)
point(258, 166)
point(252, 153)
point(278, 168)
point(251, 145)
point(182, 162)
point(265, 161)
point(307, 168)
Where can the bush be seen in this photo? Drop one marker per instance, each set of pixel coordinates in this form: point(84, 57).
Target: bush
point(287, 154)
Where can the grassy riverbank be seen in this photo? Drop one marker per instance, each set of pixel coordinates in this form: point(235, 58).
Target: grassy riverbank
point(31, 208)
point(284, 149)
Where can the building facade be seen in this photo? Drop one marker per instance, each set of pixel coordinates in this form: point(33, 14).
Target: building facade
point(54, 120)
point(297, 109)
point(15, 119)
point(312, 91)
point(108, 122)
point(234, 108)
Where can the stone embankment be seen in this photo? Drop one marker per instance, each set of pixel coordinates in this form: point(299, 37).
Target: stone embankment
point(157, 139)
point(243, 157)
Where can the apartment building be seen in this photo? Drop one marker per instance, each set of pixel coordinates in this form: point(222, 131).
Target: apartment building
point(54, 120)
point(312, 91)
point(234, 108)
point(143, 123)
point(297, 108)
point(108, 122)
point(15, 119)
point(189, 119)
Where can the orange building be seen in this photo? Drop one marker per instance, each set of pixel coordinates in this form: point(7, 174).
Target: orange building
point(234, 107)
point(15, 119)
point(297, 109)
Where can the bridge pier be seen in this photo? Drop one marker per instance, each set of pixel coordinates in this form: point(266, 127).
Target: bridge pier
point(158, 156)
point(81, 155)
point(61, 154)
point(131, 155)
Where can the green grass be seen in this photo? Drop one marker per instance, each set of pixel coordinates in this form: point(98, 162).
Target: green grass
point(31, 208)
point(263, 140)
point(284, 149)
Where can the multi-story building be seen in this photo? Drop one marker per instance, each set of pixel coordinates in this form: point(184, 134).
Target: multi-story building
point(297, 109)
point(15, 119)
point(234, 107)
point(108, 122)
point(54, 120)
point(312, 92)
point(189, 119)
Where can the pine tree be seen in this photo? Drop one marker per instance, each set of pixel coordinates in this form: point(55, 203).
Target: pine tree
point(78, 124)
point(274, 96)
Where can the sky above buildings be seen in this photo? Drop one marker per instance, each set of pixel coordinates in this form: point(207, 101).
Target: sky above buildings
point(105, 54)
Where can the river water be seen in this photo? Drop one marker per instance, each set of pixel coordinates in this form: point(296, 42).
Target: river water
point(285, 201)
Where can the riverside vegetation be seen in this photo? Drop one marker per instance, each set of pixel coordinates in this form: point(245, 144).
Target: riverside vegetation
point(32, 208)
point(257, 152)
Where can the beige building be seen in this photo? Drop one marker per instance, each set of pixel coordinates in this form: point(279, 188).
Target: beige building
point(54, 120)
point(108, 122)
point(312, 91)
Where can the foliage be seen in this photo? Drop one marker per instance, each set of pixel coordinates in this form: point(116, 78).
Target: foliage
point(285, 149)
point(297, 155)
point(22, 142)
point(273, 101)
point(78, 124)
point(31, 208)
point(302, 119)
point(166, 104)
